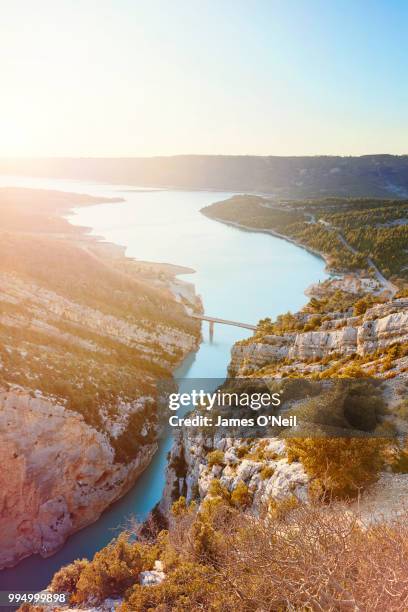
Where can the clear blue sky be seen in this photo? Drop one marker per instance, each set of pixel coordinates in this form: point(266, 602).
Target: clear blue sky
point(151, 77)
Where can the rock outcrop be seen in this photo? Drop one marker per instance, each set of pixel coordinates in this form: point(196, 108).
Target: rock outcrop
point(272, 478)
point(58, 474)
point(310, 345)
point(154, 576)
point(258, 354)
point(381, 326)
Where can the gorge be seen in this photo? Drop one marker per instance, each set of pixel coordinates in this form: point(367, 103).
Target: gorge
point(255, 279)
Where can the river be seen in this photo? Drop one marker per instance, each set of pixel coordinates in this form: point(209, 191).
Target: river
point(240, 275)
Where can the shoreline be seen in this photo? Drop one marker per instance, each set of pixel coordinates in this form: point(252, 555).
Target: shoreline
point(85, 233)
point(171, 271)
point(248, 228)
point(331, 273)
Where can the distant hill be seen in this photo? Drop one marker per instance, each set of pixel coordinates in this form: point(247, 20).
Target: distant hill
point(369, 175)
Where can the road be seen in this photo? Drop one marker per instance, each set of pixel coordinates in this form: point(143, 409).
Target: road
point(388, 285)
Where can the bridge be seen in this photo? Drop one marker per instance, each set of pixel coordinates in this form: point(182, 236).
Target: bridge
point(212, 320)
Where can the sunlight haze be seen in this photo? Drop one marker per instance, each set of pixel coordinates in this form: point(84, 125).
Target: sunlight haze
point(124, 78)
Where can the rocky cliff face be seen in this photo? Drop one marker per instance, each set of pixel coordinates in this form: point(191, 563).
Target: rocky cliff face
point(85, 335)
point(261, 465)
point(257, 354)
point(58, 474)
point(380, 327)
point(320, 343)
point(48, 309)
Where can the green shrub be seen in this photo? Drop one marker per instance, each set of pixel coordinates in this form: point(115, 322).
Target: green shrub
point(190, 586)
point(217, 490)
point(241, 495)
point(112, 570)
point(267, 472)
point(340, 467)
point(179, 465)
point(216, 457)
point(400, 465)
point(179, 507)
point(65, 580)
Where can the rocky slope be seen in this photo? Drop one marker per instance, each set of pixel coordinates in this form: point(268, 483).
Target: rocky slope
point(380, 327)
point(58, 475)
point(85, 336)
point(372, 344)
point(262, 466)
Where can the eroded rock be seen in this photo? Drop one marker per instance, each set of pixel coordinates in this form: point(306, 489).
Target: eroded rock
point(58, 474)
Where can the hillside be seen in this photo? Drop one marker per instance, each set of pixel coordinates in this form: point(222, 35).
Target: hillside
point(368, 234)
point(84, 335)
point(293, 177)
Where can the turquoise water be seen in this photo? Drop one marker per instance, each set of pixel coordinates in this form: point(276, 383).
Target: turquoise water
point(240, 275)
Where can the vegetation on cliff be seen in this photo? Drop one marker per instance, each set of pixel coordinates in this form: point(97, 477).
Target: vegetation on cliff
point(348, 231)
point(294, 556)
point(81, 323)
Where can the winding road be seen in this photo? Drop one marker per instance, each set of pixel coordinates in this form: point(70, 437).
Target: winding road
point(388, 285)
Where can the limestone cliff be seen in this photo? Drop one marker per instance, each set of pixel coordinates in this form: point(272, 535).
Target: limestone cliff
point(380, 327)
point(262, 466)
point(58, 474)
point(374, 343)
point(85, 336)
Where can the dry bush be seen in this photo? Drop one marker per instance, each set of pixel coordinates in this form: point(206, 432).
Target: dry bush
point(241, 495)
point(65, 580)
point(112, 570)
point(192, 587)
point(216, 457)
point(316, 557)
point(313, 557)
point(322, 559)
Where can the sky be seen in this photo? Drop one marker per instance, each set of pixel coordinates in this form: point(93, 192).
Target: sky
point(163, 77)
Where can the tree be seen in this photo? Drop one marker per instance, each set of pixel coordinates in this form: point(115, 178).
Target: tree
point(339, 467)
point(112, 570)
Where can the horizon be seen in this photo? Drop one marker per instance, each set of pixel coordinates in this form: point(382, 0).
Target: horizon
point(103, 79)
point(170, 155)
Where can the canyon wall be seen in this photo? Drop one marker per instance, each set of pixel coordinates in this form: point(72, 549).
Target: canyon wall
point(380, 327)
point(58, 474)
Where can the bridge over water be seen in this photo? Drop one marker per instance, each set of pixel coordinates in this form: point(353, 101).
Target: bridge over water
point(213, 320)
